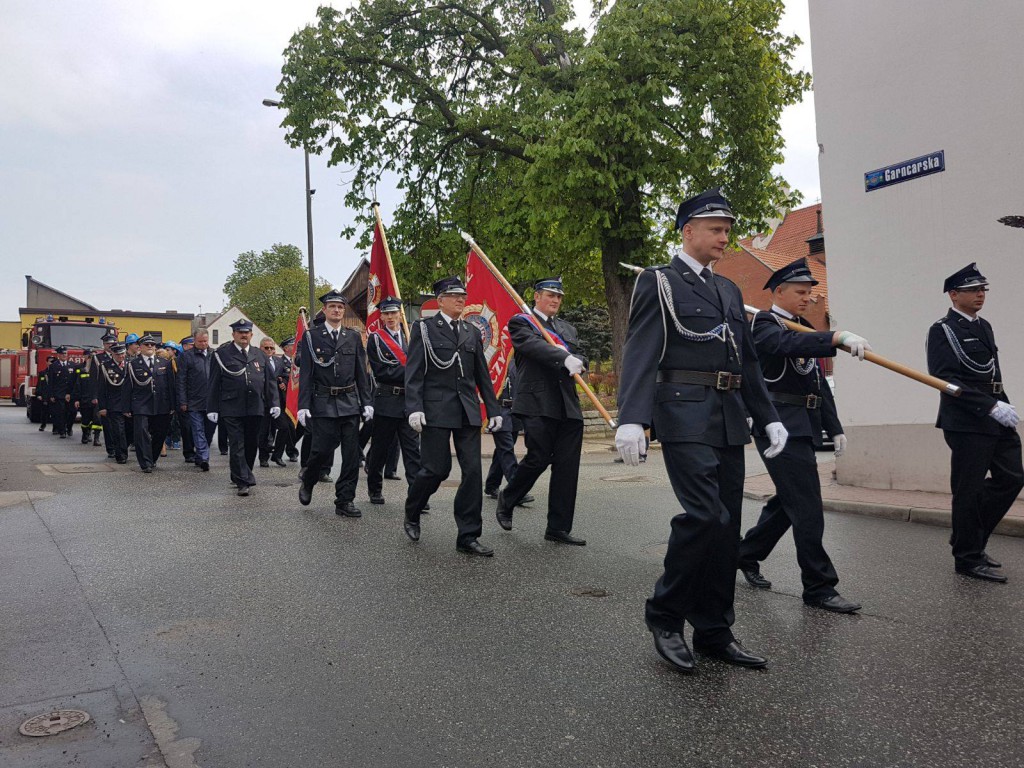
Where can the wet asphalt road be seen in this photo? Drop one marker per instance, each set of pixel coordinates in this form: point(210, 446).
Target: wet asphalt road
point(201, 629)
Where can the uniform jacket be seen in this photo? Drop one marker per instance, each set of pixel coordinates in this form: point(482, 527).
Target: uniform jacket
point(95, 361)
point(780, 351)
point(448, 396)
point(151, 393)
point(690, 413)
point(969, 411)
point(282, 373)
point(112, 389)
point(545, 387)
point(333, 365)
point(240, 384)
point(389, 374)
point(506, 400)
point(194, 378)
point(84, 388)
point(60, 379)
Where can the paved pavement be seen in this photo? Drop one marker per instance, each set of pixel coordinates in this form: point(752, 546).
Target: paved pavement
point(200, 629)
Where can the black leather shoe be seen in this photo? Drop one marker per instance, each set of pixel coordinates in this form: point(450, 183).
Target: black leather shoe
point(325, 477)
point(564, 537)
point(983, 572)
point(376, 498)
point(348, 509)
point(755, 579)
point(148, 470)
point(527, 499)
point(305, 495)
point(474, 547)
point(279, 463)
point(204, 465)
point(223, 453)
point(391, 476)
point(426, 508)
point(490, 494)
point(836, 604)
point(412, 530)
point(264, 463)
point(734, 653)
point(63, 436)
point(503, 513)
point(42, 428)
point(122, 461)
point(989, 561)
point(294, 458)
point(671, 646)
point(243, 490)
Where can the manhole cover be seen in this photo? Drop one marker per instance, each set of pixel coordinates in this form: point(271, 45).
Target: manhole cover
point(589, 592)
point(54, 722)
point(285, 485)
point(625, 479)
point(78, 469)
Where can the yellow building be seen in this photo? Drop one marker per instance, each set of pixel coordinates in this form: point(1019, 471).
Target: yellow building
point(43, 301)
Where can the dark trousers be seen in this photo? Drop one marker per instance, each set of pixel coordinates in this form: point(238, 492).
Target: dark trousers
point(699, 582)
point(243, 436)
point(394, 449)
point(436, 465)
point(222, 440)
point(555, 443)
point(188, 443)
point(90, 421)
point(268, 434)
point(796, 503)
point(285, 440)
point(59, 417)
point(385, 429)
point(129, 430)
point(980, 502)
point(504, 462)
point(108, 438)
point(116, 440)
point(44, 413)
point(150, 433)
point(327, 433)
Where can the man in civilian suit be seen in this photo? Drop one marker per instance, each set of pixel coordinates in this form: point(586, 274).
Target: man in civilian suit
point(690, 371)
point(334, 391)
point(446, 370)
point(153, 398)
point(550, 410)
point(193, 387)
point(240, 387)
point(386, 349)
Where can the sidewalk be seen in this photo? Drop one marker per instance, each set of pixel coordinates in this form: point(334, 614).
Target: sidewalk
point(912, 506)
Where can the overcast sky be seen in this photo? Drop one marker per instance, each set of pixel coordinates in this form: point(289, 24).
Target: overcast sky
point(138, 161)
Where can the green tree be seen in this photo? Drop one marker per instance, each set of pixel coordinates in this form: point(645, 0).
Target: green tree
point(251, 265)
point(561, 153)
point(594, 328)
point(272, 300)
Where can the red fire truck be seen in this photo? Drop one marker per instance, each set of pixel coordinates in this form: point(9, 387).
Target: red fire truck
point(19, 371)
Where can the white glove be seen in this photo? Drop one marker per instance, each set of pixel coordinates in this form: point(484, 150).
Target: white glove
point(367, 412)
point(275, 412)
point(573, 364)
point(840, 443)
point(778, 435)
point(631, 442)
point(750, 424)
point(858, 344)
point(1005, 414)
point(417, 420)
point(303, 416)
point(494, 423)
point(212, 416)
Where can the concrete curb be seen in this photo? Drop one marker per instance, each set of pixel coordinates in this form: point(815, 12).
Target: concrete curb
point(1010, 526)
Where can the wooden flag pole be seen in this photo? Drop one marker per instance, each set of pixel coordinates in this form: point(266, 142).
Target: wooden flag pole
point(391, 266)
point(547, 336)
point(892, 365)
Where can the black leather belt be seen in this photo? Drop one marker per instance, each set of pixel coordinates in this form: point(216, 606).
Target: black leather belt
point(333, 391)
point(720, 380)
point(810, 402)
point(997, 387)
point(398, 390)
point(506, 403)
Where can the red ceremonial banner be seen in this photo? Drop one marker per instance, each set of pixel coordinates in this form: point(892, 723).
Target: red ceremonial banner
point(380, 285)
point(489, 307)
point(291, 396)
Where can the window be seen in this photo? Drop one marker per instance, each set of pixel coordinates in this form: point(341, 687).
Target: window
point(215, 334)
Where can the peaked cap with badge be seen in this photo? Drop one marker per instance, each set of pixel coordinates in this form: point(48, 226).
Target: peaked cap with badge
point(968, 277)
point(794, 272)
point(450, 286)
point(708, 204)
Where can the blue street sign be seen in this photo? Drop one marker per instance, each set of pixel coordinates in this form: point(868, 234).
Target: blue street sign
point(933, 162)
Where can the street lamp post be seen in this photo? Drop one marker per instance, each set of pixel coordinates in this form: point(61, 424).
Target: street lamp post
point(309, 219)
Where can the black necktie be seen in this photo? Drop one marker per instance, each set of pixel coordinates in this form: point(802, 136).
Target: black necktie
point(706, 275)
point(334, 335)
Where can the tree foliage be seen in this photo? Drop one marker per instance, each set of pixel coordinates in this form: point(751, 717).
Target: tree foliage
point(561, 153)
point(251, 265)
point(272, 300)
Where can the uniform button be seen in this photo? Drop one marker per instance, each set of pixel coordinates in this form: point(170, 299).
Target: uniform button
point(677, 394)
point(698, 309)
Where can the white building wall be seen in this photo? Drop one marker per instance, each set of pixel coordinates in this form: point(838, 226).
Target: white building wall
point(894, 81)
point(221, 327)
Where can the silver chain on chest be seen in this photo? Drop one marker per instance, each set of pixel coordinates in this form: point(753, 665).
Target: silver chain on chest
point(387, 358)
point(228, 371)
point(721, 332)
point(983, 369)
point(428, 348)
point(151, 382)
point(804, 368)
point(313, 355)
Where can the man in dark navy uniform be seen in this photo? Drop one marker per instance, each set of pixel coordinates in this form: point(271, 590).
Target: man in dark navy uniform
point(286, 431)
point(387, 349)
point(690, 371)
point(549, 407)
point(980, 426)
point(95, 361)
point(193, 388)
point(504, 462)
point(446, 377)
point(113, 399)
point(153, 398)
point(240, 387)
point(803, 399)
point(334, 391)
point(60, 384)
